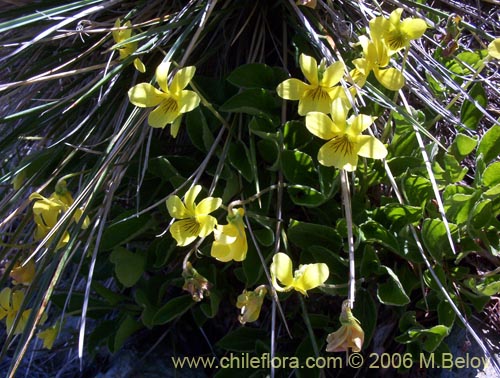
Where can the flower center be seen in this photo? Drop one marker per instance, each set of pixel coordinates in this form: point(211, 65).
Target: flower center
point(191, 227)
point(342, 144)
point(395, 39)
point(318, 94)
point(169, 105)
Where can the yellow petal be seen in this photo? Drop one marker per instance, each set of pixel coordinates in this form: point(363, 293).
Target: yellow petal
point(207, 205)
point(281, 268)
point(315, 100)
point(166, 112)
point(207, 225)
point(182, 79)
point(162, 75)
point(333, 74)
point(378, 26)
point(190, 196)
point(360, 123)
point(139, 66)
point(188, 100)
point(339, 153)
point(413, 28)
point(145, 95)
point(292, 89)
point(371, 147)
point(17, 299)
point(309, 67)
point(390, 78)
point(185, 231)
point(176, 208)
point(494, 48)
point(339, 109)
point(176, 125)
point(395, 16)
point(312, 276)
point(116, 33)
point(321, 125)
point(5, 300)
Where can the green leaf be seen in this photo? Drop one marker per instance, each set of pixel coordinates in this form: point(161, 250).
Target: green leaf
point(430, 338)
point(470, 114)
point(305, 196)
point(120, 232)
point(436, 239)
point(211, 307)
point(239, 158)
point(242, 339)
point(491, 175)
point(462, 146)
point(173, 309)
point(446, 315)
point(298, 168)
point(128, 326)
point(458, 202)
point(296, 135)
point(370, 263)
point(392, 292)
point(304, 235)
point(417, 190)
point(257, 75)
point(257, 102)
point(401, 215)
point(489, 145)
point(375, 233)
point(198, 131)
point(129, 266)
point(366, 312)
point(481, 214)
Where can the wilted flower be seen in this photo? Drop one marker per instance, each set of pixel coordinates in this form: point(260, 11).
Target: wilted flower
point(322, 89)
point(250, 303)
point(10, 305)
point(127, 49)
point(350, 335)
point(305, 278)
point(171, 101)
point(194, 219)
point(23, 274)
point(345, 141)
point(194, 283)
point(230, 239)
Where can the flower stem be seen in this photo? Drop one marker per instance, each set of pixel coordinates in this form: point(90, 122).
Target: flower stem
point(346, 200)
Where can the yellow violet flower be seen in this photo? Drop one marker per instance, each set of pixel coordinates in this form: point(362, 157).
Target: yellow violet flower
point(129, 48)
point(230, 239)
point(494, 48)
point(10, 304)
point(350, 335)
point(170, 101)
point(376, 58)
point(345, 141)
point(250, 303)
point(322, 89)
point(194, 219)
point(396, 34)
point(23, 274)
point(49, 335)
point(305, 278)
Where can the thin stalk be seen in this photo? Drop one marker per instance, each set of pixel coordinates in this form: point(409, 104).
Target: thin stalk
point(346, 201)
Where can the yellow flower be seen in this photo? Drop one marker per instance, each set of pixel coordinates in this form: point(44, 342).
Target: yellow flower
point(230, 239)
point(250, 303)
point(307, 277)
point(194, 283)
point(345, 141)
point(396, 34)
point(46, 212)
point(494, 48)
point(10, 304)
point(322, 89)
point(49, 335)
point(171, 101)
point(350, 335)
point(376, 58)
point(128, 48)
point(23, 274)
point(194, 219)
